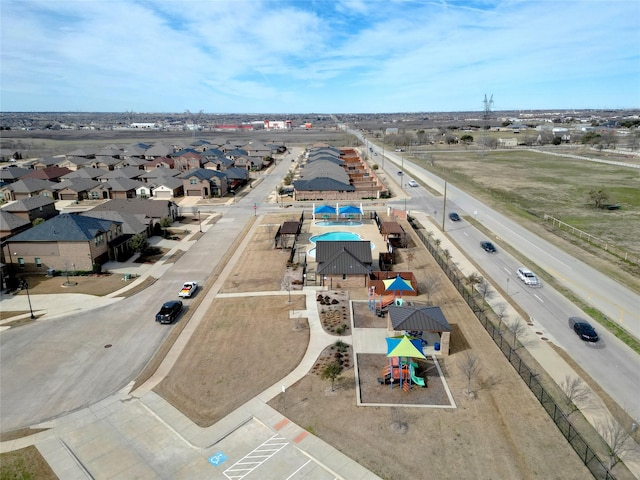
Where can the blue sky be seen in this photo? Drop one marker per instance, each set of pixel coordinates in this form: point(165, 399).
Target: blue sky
point(318, 56)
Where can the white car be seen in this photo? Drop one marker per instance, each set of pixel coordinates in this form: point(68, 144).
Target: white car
point(188, 289)
point(527, 276)
point(413, 183)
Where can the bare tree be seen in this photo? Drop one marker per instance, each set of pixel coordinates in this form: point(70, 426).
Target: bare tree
point(410, 257)
point(484, 290)
point(576, 391)
point(517, 330)
point(599, 197)
point(474, 279)
point(469, 365)
point(501, 313)
point(616, 437)
point(429, 286)
point(447, 255)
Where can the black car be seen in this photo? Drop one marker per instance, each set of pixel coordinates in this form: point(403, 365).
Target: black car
point(583, 329)
point(488, 247)
point(454, 217)
point(169, 311)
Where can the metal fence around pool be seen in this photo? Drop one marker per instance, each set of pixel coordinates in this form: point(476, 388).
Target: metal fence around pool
point(585, 452)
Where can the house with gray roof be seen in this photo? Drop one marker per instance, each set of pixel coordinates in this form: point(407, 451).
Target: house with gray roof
point(28, 188)
point(91, 173)
point(75, 163)
point(125, 172)
point(64, 242)
point(158, 150)
point(154, 210)
point(46, 162)
point(32, 208)
point(76, 189)
point(107, 162)
point(12, 174)
point(122, 187)
point(132, 223)
point(347, 263)
point(83, 152)
point(11, 224)
point(204, 183)
point(166, 187)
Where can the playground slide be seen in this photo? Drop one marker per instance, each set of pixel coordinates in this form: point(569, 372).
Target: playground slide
point(417, 380)
point(387, 300)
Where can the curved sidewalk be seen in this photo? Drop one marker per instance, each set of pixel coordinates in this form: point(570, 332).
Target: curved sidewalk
point(108, 439)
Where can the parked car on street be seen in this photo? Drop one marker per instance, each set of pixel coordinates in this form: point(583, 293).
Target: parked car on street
point(169, 311)
point(528, 277)
point(188, 289)
point(454, 217)
point(583, 329)
point(488, 247)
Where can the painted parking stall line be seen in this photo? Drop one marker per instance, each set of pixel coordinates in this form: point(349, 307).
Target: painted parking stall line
point(257, 457)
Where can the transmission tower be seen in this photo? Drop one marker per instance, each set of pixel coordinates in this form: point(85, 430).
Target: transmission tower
point(488, 105)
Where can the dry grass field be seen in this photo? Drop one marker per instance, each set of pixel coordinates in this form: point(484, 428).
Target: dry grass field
point(526, 185)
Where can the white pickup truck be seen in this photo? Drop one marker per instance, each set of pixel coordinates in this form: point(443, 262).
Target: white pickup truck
point(188, 289)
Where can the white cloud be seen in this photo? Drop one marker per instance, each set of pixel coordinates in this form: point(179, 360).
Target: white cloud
point(367, 56)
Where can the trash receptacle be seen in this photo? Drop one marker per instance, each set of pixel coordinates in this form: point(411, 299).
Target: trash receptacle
point(436, 346)
point(51, 272)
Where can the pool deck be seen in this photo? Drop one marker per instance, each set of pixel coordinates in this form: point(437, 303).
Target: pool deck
point(367, 231)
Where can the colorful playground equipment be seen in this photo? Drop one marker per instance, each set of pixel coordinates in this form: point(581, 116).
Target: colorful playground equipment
point(377, 303)
point(401, 369)
point(397, 371)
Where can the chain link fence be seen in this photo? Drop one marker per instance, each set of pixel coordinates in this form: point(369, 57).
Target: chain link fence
point(585, 452)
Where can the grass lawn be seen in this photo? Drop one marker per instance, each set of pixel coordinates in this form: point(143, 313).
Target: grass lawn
point(528, 185)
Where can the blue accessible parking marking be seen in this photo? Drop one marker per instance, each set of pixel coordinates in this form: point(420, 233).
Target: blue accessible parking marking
point(217, 458)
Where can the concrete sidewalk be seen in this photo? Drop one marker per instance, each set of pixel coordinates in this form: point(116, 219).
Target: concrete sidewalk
point(137, 433)
point(131, 434)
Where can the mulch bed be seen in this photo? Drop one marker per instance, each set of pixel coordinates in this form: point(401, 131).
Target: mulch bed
point(333, 308)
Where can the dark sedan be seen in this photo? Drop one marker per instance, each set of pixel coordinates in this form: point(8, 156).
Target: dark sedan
point(169, 311)
point(488, 247)
point(583, 329)
point(454, 217)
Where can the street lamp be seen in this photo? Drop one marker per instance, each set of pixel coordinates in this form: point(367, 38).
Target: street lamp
point(199, 222)
point(25, 285)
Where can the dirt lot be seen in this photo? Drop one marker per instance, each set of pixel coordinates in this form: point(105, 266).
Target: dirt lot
point(246, 345)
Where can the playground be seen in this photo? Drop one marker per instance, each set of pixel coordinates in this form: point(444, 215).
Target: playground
point(471, 434)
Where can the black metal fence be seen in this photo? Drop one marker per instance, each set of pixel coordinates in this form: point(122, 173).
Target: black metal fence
point(585, 452)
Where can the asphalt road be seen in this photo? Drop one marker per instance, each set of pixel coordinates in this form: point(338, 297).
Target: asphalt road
point(53, 367)
point(610, 362)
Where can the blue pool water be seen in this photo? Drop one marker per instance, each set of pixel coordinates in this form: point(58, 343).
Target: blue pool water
point(339, 223)
point(336, 236)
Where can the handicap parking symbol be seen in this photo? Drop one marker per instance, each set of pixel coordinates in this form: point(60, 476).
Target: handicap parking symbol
point(217, 458)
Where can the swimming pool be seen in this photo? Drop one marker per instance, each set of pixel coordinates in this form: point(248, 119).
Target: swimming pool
point(339, 223)
point(334, 237)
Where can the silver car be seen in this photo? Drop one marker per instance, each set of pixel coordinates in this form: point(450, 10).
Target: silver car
point(528, 277)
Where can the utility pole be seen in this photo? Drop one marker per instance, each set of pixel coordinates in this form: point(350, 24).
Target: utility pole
point(444, 205)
